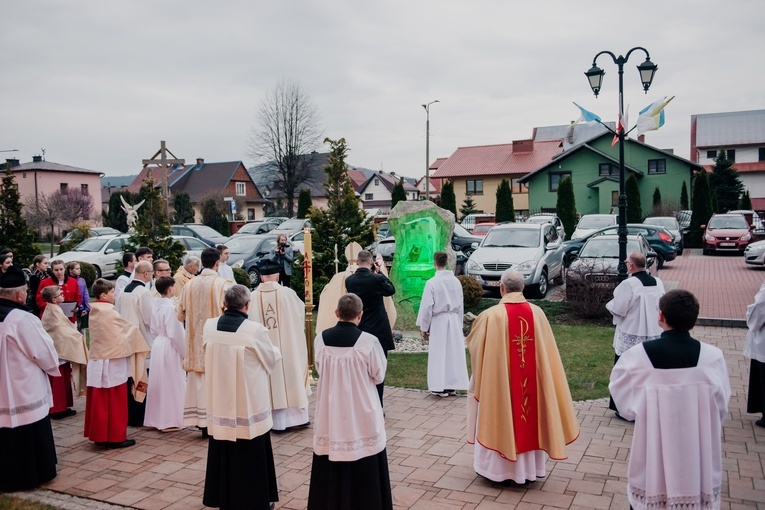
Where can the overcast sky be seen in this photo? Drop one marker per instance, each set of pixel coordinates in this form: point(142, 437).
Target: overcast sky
point(98, 84)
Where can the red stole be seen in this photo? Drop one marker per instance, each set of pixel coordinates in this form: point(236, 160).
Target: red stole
point(523, 376)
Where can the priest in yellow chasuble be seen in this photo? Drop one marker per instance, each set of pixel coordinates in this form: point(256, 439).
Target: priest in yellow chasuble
point(519, 404)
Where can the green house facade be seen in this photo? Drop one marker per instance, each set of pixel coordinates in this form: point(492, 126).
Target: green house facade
point(594, 170)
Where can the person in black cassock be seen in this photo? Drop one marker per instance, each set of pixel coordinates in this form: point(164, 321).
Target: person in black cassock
point(372, 286)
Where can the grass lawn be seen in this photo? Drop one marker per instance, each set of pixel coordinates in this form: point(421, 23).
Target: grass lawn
point(585, 350)
point(11, 503)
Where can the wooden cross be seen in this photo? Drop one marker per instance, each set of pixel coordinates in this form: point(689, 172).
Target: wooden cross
point(164, 165)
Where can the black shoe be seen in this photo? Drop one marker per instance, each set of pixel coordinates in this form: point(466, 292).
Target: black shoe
point(124, 444)
point(760, 422)
point(297, 427)
point(623, 418)
point(63, 414)
point(205, 434)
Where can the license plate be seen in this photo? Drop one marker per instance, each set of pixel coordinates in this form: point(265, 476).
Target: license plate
point(727, 245)
point(494, 283)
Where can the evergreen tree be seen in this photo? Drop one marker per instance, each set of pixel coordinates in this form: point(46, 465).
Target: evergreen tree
point(153, 228)
point(746, 202)
point(504, 210)
point(397, 194)
point(702, 210)
point(656, 199)
point(116, 218)
point(213, 216)
point(566, 206)
point(715, 205)
point(726, 183)
point(14, 232)
point(184, 211)
point(634, 209)
point(684, 205)
point(304, 203)
point(468, 207)
point(448, 200)
point(341, 223)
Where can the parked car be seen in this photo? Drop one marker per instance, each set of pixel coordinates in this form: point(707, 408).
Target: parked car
point(76, 235)
point(473, 219)
point(684, 219)
point(596, 265)
point(726, 232)
point(531, 248)
point(256, 227)
point(464, 241)
point(276, 220)
point(658, 238)
point(673, 226)
point(247, 250)
point(206, 234)
point(289, 227)
point(753, 218)
point(383, 230)
point(482, 229)
point(104, 252)
point(191, 245)
point(387, 249)
point(551, 219)
point(591, 222)
point(754, 253)
point(297, 241)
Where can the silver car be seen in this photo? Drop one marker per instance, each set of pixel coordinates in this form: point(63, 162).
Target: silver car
point(532, 249)
point(754, 253)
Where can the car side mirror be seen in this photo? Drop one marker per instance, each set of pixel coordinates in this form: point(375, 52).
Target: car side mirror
point(108, 251)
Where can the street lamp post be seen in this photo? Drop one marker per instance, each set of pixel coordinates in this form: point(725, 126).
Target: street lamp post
point(427, 148)
point(595, 77)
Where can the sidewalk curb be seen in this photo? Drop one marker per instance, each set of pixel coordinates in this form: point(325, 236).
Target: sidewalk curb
point(721, 323)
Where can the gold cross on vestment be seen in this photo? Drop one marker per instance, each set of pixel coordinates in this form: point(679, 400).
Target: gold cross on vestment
point(522, 339)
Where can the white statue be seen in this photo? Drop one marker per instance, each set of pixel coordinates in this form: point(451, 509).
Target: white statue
point(132, 213)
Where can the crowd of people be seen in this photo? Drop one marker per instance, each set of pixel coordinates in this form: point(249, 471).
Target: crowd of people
point(197, 350)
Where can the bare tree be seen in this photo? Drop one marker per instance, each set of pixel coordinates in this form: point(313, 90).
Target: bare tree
point(57, 209)
point(287, 132)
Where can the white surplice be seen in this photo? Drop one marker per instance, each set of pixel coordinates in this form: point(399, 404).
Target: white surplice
point(676, 455)
point(635, 310)
point(167, 379)
point(754, 348)
point(136, 306)
point(441, 313)
point(225, 271)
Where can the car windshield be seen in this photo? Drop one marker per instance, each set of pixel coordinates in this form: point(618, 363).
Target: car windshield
point(483, 227)
point(606, 248)
point(737, 222)
point(512, 238)
point(460, 231)
point(291, 225)
point(204, 230)
point(93, 244)
point(250, 228)
point(539, 219)
point(668, 223)
point(243, 244)
point(596, 221)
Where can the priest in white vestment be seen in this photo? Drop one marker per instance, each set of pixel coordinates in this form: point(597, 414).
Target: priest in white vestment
point(440, 319)
point(754, 349)
point(27, 358)
point(202, 299)
point(167, 379)
point(280, 310)
point(676, 389)
point(519, 403)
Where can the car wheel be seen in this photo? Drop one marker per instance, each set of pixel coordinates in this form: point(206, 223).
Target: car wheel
point(254, 277)
point(468, 253)
point(704, 251)
point(659, 261)
point(98, 272)
point(680, 249)
point(540, 289)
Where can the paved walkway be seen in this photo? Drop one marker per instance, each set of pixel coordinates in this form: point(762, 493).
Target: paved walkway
point(430, 463)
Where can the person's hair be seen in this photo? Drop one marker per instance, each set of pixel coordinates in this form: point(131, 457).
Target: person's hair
point(101, 286)
point(440, 258)
point(364, 257)
point(143, 250)
point(280, 236)
point(209, 257)
point(49, 292)
point(10, 292)
point(236, 297)
point(190, 260)
point(4, 257)
point(127, 258)
point(159, 262)
point(71, 265)
point(163, 284)
point(512, 280)
point(6, 251)
point(38, 259)
point(56, 262)
point(638, 259)
point(349, 307)
point(221, 248)
point(680, 308)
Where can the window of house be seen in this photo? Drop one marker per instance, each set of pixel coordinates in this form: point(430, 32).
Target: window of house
point(241, 189)
point(606, 169)
point(711, 154)
point(518, 187)
point(377, 182)
point(555, 178)
point(64, 187)
point(250, 214)
point(369, 196)
point(657, 166)
point(84, 188)
point(474, 187)
point(614, 199)
point(731, 155)
point(761, 156)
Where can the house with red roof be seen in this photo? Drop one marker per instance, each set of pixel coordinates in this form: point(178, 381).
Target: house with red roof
point(376, 191)
point(210, 180)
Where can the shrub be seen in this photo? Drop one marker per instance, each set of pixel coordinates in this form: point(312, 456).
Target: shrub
point(88, 272)
point(472, 293)
point(589, 301)
point(80, 232)
point(241, 277)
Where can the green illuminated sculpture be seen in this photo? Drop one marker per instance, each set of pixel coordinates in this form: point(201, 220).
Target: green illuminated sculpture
point(420, 229)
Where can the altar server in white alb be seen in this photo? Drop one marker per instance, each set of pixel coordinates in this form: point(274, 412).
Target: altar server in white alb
point(440, 320)
point(281, 310)
point(677, 391)
point(635, 309)
point(167, 379)
point(754, 349)
point(27, 358)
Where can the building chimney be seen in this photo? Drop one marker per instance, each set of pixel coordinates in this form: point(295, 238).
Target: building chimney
point(523, 146)
point(13, 161)
point(200, 161)
point(393, 173)
point(36, 159)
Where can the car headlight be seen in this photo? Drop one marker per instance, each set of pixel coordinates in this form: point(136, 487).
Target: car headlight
point(526, 267)
point(473, 265)
point(238, 264)
point(708, 237)
point(746, 237)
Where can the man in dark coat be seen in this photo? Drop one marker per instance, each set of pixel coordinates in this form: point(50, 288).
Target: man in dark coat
point(372, 286)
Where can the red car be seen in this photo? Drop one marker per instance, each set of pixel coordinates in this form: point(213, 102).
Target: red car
point(482, 229)
point(726, 232)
